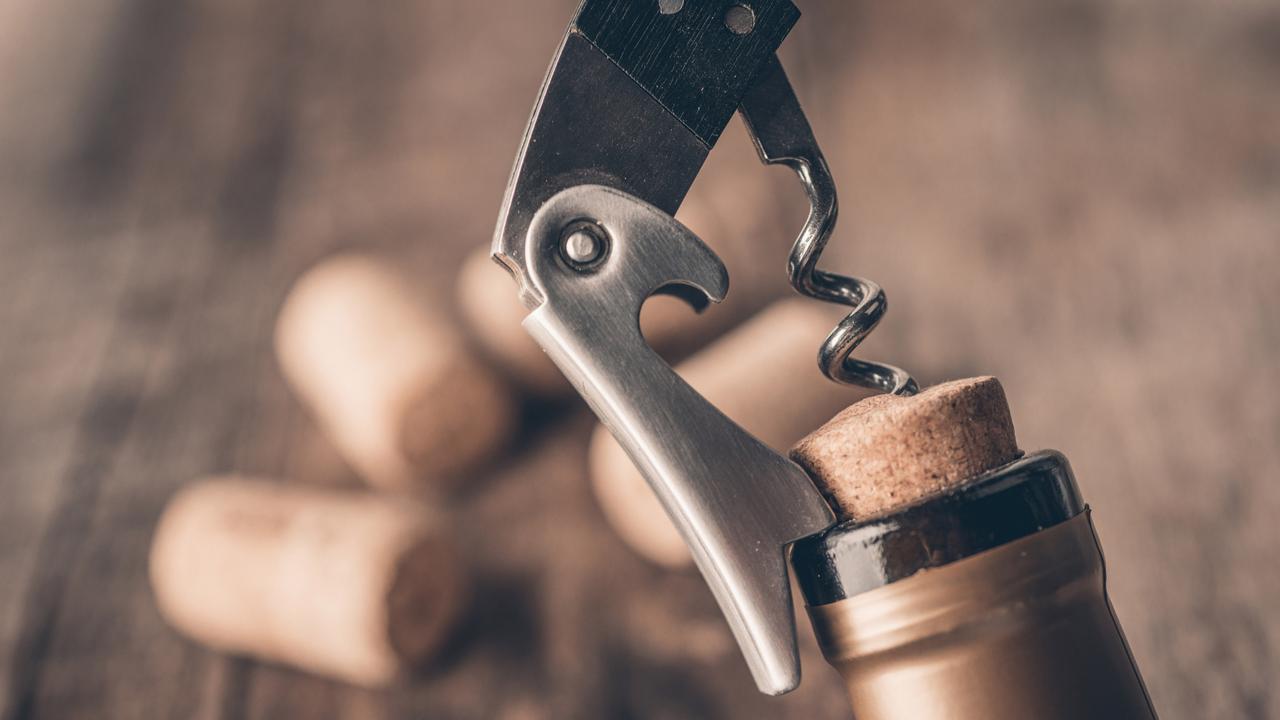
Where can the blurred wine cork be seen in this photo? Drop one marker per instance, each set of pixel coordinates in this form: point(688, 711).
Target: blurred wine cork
point(764, 376)
point(393, 384)
point(886, 452)
point(354, 586)
point(492, 310)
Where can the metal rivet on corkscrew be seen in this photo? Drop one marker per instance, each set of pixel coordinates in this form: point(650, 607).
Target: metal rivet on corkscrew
point(740, 19)
point(583, 245)
point(670, 7)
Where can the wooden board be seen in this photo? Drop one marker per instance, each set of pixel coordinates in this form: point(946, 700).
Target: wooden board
point(1080, 197)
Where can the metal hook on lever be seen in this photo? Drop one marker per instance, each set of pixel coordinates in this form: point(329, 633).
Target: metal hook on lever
point(596, 254)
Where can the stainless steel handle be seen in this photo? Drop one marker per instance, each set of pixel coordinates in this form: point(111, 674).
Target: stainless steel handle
point(736, 502)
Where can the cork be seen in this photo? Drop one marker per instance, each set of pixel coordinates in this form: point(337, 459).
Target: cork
point(391, 380)
point(349, 585)
point(886, 452)
point(492, 312)
point(763, 375)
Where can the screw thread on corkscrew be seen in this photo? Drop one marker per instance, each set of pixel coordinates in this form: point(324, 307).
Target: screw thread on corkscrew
point(865, 297)
point(782, 136)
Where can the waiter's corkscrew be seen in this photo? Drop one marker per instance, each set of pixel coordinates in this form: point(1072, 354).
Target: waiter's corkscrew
point(637, 95)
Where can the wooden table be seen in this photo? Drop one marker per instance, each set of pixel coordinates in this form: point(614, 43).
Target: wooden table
point(1080, 197)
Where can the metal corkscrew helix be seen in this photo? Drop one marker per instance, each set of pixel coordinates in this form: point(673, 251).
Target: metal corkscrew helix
point(783, 136)
point(636, 97)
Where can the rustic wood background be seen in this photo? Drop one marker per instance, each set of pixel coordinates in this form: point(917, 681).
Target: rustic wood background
point(1079, 196)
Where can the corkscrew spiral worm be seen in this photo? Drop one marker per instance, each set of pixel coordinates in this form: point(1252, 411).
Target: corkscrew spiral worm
point(865, 297)
point(782, 136)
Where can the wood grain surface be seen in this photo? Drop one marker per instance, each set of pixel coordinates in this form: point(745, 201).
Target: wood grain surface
point(1079, 197)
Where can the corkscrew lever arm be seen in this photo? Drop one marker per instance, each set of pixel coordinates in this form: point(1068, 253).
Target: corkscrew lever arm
point(736, 502)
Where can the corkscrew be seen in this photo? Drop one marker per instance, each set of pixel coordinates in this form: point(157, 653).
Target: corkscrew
point(638, 93)
point(782, 136)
